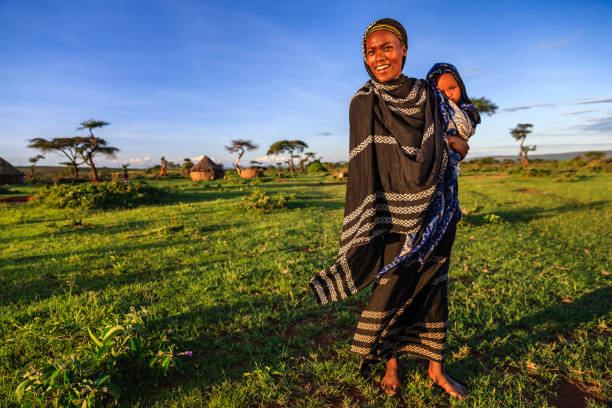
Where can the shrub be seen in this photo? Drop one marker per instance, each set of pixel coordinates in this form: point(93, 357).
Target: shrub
point(90, 377)
point(316, 167)
point(260, 201)
point(101, 195)
point(568, 175)
point(529, 172)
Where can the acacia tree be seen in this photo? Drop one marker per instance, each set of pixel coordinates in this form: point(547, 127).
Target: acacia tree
point(91, 146)
point(240, 146)
point(484, 106)
point(290, 147)
point(33, 160)
point(187, 165)
point(65, 145)
point(520, 133)
point(304, 160)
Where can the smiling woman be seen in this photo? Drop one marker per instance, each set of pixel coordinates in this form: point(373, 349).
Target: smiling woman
point(400, 216)
point(385, 55)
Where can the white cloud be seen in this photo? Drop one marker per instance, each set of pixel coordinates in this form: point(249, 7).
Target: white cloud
point(592, 100)
point(214, 159)
point(271, 159)
point(561, 41)
point(535, 105)
point(577, 112)
point(139, 160)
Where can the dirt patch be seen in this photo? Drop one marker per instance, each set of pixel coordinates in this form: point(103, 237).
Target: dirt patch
point(292, 332)
point(351, 391)
point(16, 199)
point(570, 395)
point(527, 191)
point(327, 334)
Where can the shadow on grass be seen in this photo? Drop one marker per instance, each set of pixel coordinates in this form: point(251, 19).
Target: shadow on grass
point(223, 352)
point(75, 279)
point(542, 327)
point(561, 318)
point(526, 215)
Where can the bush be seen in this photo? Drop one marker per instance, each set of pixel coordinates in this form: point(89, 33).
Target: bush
point(316, 167)
point(568, 175)
point(262, 202)
point(91, 377)
point(529, 172)
point(101, 195)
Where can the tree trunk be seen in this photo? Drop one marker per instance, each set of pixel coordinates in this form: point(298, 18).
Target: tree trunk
point(94, 171)
point(75, 170)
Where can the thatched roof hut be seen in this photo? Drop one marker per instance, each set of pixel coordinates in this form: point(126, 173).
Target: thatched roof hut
point(252, 172)
point(206, 169)
point(9, 174)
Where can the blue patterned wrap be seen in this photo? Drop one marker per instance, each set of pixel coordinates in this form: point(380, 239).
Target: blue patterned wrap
point(444, 208)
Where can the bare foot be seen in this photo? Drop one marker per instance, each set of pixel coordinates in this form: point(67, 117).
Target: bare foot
point(452, 387)
point(390, 383)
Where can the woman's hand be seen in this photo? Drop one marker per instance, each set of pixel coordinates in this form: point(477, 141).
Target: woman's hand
point(458, 144)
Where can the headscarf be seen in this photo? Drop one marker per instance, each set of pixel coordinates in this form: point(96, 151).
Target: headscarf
point(397, 159)
point(464, 103)
point(384, 24)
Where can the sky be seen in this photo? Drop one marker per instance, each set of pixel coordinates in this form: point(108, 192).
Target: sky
point(181, 79)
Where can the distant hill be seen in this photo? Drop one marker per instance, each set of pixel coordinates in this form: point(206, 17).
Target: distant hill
point(552, 156)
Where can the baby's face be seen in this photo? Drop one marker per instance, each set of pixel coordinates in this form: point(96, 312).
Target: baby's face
point(450, 87)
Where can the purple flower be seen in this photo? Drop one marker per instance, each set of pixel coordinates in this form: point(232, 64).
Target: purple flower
point(186, 353)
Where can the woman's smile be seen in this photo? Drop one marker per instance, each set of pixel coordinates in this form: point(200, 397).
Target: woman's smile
point(384, 55)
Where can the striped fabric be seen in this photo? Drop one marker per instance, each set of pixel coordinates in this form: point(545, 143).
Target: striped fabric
point(408, 308)
point(396, 160)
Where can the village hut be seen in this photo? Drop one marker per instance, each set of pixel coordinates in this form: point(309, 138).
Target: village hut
point(9, 174)
point(206, 169)
point(252, 172)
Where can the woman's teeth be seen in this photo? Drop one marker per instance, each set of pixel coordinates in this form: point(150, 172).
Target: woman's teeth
point(382, 67)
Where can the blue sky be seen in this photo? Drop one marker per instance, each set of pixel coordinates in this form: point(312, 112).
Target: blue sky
point(182, 78)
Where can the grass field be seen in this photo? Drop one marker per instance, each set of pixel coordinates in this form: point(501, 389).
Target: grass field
point(530, 296)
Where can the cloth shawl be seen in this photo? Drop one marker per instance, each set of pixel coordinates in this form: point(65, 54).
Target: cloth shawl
point(397, 159)
point(448, 107)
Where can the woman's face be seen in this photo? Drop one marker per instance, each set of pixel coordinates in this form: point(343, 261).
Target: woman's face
point(450, 87)
point(384, 53)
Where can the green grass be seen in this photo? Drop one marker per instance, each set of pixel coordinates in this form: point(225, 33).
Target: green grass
point(530, 295)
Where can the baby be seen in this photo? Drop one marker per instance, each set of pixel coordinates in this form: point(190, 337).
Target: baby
point(459, 115)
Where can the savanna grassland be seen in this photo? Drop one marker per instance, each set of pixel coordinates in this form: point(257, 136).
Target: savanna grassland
point(216, 295)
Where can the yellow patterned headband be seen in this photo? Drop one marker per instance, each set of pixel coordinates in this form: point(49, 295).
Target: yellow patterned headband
point(386, 27)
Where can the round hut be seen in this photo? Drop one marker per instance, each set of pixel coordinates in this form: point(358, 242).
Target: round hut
point(252, 172)
point(9, 174)
point(206, 169)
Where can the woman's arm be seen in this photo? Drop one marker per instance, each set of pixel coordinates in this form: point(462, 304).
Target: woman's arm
point(458, 144)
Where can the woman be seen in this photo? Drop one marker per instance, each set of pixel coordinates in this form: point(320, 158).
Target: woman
point(400, 215)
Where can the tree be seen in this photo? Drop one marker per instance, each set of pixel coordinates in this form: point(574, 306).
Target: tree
point(304, 160)
point(484, 106)
point(65, 145)
point(290, 147)
point(33, 160)
point(520, 133)
point(91, 146)
point(240, 146)
point(162, 167)
point(186, 166)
